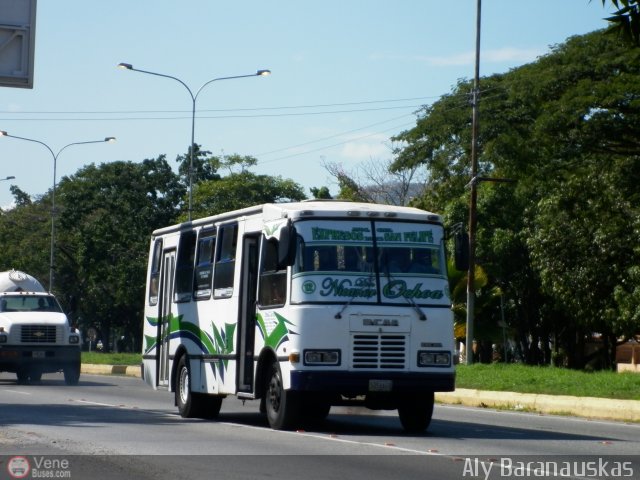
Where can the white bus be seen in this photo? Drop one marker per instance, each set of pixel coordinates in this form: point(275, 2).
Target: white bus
point(301, 306)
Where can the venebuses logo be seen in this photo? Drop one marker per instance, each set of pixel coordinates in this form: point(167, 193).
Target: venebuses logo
point(18, 467)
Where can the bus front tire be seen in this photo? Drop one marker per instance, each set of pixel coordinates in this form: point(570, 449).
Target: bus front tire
point(415, 412)
point(282, 406)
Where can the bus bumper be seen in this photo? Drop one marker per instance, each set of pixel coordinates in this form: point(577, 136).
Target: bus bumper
point(363, 383)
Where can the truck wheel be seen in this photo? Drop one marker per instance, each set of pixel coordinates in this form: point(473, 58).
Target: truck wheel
point(415, 412)
point(71, 373)
point(282, 406)
point(23, 376)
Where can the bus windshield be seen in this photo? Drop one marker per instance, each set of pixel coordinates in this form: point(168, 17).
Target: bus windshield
point(369, 262)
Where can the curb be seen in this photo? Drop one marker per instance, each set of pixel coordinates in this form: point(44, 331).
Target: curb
point(128, 370)
point(585, 407)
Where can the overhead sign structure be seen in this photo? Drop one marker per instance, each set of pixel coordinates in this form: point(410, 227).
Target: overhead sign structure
point(17, 42)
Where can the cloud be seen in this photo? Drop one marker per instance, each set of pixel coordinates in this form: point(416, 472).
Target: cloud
point(372, 147)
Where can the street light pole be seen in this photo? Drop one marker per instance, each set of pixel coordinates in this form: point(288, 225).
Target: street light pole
point(473, 197)
point(53, 190)
point(194, 97)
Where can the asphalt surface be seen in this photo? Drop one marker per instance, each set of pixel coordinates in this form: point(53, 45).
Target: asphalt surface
point(586, 407)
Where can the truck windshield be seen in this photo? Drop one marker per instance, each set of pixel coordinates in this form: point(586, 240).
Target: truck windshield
point(30, 303)
point(369, 262)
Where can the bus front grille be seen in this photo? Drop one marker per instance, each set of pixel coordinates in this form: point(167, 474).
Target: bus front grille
point(379, 351)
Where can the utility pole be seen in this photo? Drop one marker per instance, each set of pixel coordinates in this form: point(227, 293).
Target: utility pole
point(473, 195)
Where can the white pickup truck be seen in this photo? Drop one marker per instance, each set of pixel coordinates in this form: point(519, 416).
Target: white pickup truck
point(35, 334)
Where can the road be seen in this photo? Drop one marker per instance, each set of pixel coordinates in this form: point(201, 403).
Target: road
point(117, 427)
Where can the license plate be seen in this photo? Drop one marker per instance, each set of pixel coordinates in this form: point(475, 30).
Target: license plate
point(38, 354)
point(380, 385)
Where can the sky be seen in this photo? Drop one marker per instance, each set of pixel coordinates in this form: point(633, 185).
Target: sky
point(347, 75)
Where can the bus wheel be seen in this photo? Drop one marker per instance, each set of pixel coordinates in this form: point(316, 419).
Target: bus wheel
point(211, 404)
point(185, 400)
point(282, 406)
point(315, 407)
point(415, 412)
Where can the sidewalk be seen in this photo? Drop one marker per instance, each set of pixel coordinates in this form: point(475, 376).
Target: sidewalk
point(586, 407)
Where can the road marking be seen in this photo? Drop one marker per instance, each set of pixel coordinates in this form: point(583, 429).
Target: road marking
point(95, 403)
point(333, 438)
point(19, 392)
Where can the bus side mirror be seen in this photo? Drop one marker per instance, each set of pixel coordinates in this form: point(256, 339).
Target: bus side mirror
point(287, 246)
point(461, 251)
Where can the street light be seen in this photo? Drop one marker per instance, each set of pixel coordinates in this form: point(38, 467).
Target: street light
point(53, 191)
point(259, 73)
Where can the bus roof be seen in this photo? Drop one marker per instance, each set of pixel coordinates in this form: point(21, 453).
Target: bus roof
point(312, 208)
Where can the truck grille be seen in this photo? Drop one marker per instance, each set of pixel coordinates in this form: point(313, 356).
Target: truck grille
point(383, 352)
point(38, 334)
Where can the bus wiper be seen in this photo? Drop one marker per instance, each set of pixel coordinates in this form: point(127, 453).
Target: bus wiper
point(338, 315)
point(409, 300)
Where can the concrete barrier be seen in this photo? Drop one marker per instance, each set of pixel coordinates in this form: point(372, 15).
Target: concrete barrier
point(128, 370)
point(588, 407)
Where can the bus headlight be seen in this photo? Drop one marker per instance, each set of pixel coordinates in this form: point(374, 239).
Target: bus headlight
point(3, 338)
point(322, 357)
point(434, 359)
point(74, 339)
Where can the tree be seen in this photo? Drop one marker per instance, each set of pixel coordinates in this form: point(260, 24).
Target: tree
point(241, 189)
point(566, 127)
point(321, 193)
point(107, 215)
point(205, 166)
point(25, 233)
point(626, 20)
point(22, 198)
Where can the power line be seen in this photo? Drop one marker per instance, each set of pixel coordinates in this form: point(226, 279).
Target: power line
point(332, 136)
point(288, 107)
point(298, 114)
point(331, 146)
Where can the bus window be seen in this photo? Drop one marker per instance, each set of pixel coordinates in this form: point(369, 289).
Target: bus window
point(225, 261)
point(273, 282)
point(204, 266)
point(154, 274)
point(184, 267)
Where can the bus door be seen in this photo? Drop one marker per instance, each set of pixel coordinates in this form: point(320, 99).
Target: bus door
point(164, 316)
point(247, 312)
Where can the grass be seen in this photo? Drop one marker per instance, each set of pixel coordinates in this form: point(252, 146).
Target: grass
point(112, 358)
point(497, 377)
point(549, 380)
